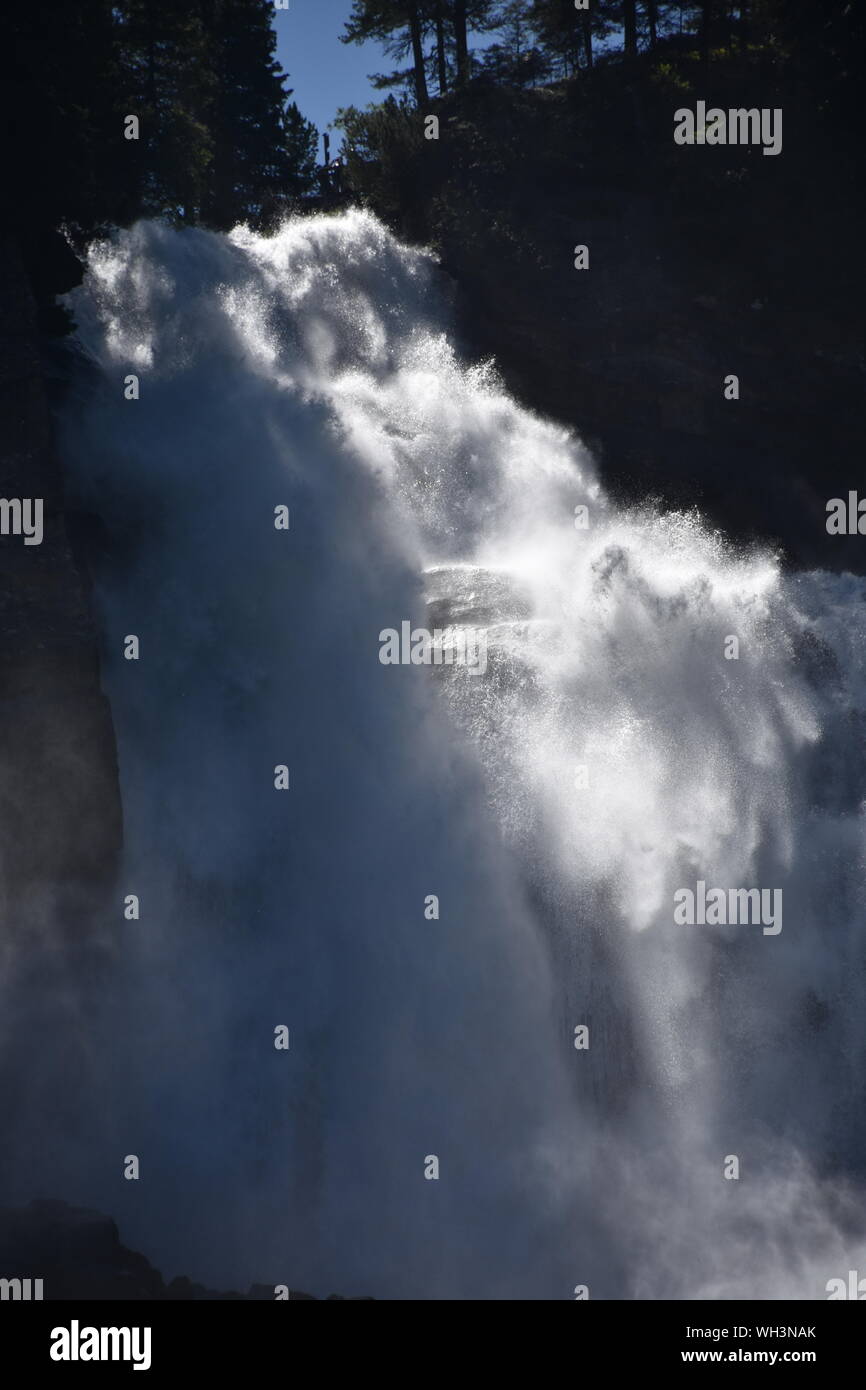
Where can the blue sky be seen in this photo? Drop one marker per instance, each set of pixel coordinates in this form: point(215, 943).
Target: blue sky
point(325, 73)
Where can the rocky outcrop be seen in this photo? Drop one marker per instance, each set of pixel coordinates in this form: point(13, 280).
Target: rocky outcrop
point(59, 797)
point(77, 1253)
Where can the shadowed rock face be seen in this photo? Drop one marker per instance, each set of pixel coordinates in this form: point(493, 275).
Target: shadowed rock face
point(78, 1255)
point(634, 353)
point(470, 594)
point(699, 268)
point(59, 797)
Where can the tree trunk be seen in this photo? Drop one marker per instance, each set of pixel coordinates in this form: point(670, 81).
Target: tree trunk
point(151, 62)
point(461, 41)
point(707, 28)
point(442, 65)
point(421, 96)
point(587, 40)
point(629, 23)
point(652, 14)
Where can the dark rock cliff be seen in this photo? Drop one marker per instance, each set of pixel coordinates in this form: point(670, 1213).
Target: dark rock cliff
point(703, 263)
point(633, 354)
point(78, 1255)
point(59, 796)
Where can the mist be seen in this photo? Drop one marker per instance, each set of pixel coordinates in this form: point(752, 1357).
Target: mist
point(610, 755)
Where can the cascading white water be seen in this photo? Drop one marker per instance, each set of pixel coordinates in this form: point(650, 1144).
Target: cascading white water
point(609, 756)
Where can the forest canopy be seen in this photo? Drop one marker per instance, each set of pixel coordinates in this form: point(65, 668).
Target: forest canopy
point(219, 139)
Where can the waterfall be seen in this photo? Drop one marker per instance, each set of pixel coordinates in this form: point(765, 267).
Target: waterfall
point(618, 747)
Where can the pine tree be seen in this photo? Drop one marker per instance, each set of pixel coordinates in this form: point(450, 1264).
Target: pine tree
point(652, 15)
point(629, 25)
point(167, 82)
point(567, 34)
point(461, 40)
point(406, 27)
point(301, 146)
point(438, 8)
point(399, 28)
point(515, 58)
point(260, 148)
